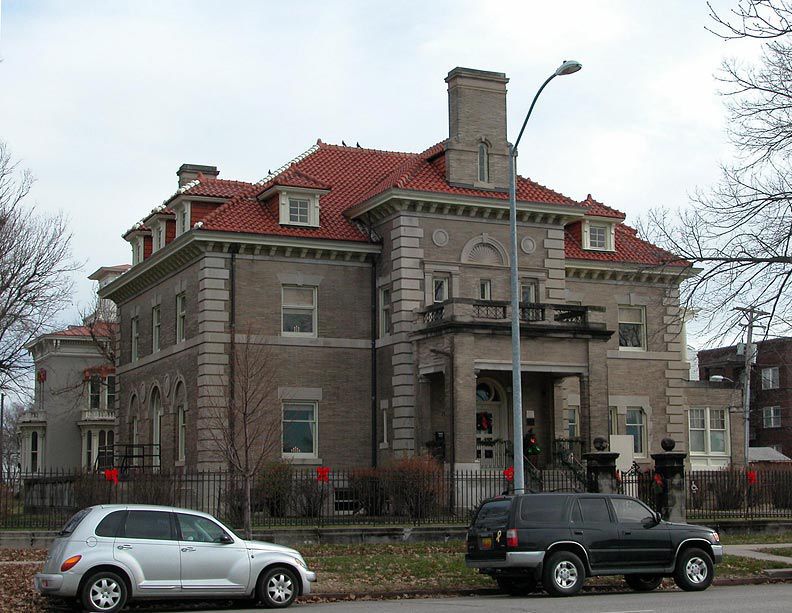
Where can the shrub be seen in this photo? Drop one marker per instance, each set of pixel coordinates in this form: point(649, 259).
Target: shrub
point(154, 488)
point(415, 486)
point(92, 488)
point(368, 487)
point(272, 489)
point(310, 495)
point(727, 487)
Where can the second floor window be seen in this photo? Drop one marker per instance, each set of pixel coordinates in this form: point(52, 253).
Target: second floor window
point(135, 337)
point(770, 378)
point(111, 392)
point(298, 310)
point(632, 328)
point(181, 317)
point(95, 392)
point(155, 329)
point(771, 417)
point(385, 312)
point(439, 289)
point(485, 289)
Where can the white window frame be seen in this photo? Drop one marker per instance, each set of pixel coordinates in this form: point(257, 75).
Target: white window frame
point(315, 408)
point(137, 250)
point(156, 328)
point(134, 334)
point(386, 312)
point(771, 417)
point(315, 308)
point(485, 289)
point(708, 430)
point(609, 229)
point(642, 323)
point(285, 205)
point(181, 317)
point(644, 427)
point(444, 282)
point(573, 421)
point(770, 378)
point(110, 405)
point(95, 380)
point(183, 219)
point(533, 286)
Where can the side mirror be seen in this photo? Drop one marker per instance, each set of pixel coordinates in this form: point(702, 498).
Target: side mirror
point(658, 518)
point(226, 540)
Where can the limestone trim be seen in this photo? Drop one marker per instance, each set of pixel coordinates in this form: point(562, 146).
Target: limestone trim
point(493, 245)
point(624, 272)
point(304, 341)
point(526, 366)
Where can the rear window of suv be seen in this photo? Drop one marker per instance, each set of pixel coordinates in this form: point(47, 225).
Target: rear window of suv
point(539, 509)
point(494, 512)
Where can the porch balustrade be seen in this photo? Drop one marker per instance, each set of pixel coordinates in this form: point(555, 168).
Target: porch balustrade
point(498, 312)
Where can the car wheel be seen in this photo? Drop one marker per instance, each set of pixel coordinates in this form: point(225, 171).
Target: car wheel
point(278, 587)
point(104, 592)
point(643, 583)
point(563, 574)
point(516, 586)
point(694, 570)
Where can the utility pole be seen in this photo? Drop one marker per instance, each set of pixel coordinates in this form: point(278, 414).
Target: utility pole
point(752, 314)
point(2, 437)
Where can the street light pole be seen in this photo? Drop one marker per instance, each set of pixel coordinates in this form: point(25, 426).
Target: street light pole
point(566, 68)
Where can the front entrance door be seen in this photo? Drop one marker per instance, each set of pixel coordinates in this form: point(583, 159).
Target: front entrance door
point(492, 429)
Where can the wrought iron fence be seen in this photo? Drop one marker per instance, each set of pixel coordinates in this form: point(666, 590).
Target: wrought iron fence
point(737, 494)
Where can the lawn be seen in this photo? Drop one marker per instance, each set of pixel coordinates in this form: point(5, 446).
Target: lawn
point(778, 551)
point(749, 538)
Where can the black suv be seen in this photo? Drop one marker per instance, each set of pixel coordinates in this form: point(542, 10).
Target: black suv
point(560, 539)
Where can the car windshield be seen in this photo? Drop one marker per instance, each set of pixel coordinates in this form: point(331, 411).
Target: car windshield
point(73, 522)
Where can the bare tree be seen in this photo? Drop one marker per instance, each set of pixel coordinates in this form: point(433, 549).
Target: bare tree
point(10, 433)
point(739, 232)
point(245, 426)
point(35, 268)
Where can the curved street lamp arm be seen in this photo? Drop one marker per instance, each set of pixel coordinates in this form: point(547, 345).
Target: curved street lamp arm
point(530, 110)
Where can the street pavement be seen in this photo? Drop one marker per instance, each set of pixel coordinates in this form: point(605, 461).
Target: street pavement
point(773, 598)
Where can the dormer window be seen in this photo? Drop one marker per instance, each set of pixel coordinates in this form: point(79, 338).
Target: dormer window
point(598, 236)
point(183, 219)
point(299, 209)
point(137, 250)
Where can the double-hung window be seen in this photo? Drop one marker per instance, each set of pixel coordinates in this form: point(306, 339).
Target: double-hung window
point(300, 430)
point(439, 289)
point(135, 337)
point(110, 393)
point(485, 289)
point(771, 417)
point(770, 378)
point(95, 392)
point(708, 431)
point(155, 329)
point(573, 422)
point(385, 311)
point(181, 317)
point(632, 328)
point(636, 426)
point(298, 310)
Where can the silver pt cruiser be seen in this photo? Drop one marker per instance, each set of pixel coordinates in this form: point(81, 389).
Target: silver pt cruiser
point(108, 555)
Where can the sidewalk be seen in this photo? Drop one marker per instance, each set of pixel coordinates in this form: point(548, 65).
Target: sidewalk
point(753, 551)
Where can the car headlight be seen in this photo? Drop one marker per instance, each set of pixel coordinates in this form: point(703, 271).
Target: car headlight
point(715, 537)
point(301, 562)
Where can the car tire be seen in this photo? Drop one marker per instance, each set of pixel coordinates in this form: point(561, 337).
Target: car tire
point(516, 586)
point(563, 574)
point(104, 592)
point(643, 583)
point(694, 570)
point(278, 587)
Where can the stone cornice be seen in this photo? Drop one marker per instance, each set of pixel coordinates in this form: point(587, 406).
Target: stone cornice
point(394, 200)
point(622, 271)
point(187, 247)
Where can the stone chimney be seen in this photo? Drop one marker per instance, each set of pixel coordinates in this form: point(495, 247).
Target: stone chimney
point(477, 154)
point(188, 172)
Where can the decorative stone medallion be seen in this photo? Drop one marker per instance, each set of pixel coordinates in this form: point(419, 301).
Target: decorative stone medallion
point(528, 245)
point(440, 238)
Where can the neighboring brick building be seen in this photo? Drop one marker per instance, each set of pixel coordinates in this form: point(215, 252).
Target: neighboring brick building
point(771, 388)
point(73, 420)
point(379, 282)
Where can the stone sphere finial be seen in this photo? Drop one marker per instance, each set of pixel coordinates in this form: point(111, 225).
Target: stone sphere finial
point(600, 443)
point(668, 444)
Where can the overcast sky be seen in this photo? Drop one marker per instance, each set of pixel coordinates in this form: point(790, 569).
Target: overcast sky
point(104, 100)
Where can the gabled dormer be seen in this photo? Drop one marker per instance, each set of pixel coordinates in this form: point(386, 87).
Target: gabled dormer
point(139, 238)
point(598, 228)
point(297, 197)
point(162, 223)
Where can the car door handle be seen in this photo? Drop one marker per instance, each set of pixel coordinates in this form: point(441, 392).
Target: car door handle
point(627, 532)
point(188, 548)
point(578, 532)
point(124, 547)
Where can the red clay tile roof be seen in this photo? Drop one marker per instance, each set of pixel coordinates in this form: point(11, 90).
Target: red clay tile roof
point(630, 249)
point(598, 209)
point(101, 329)
point(217, 188)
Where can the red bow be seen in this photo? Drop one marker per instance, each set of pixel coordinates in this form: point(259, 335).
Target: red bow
point(752, 477)
point(509, 473)
point(111, 474)
point(323, 474)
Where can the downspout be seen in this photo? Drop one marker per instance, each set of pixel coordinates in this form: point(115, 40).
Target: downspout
point(373, 383)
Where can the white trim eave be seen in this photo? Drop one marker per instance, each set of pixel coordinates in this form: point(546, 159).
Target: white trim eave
point(587, 268)
point(568, 212)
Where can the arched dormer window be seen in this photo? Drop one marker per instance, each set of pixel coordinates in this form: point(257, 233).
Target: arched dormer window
point(483, 163)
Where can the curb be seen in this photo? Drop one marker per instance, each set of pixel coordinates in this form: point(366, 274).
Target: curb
point(485, 591)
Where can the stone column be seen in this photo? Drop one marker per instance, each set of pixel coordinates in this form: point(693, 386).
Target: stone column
point(585, 410)
point(670, 465)
point(464, 409)
point(601, 467)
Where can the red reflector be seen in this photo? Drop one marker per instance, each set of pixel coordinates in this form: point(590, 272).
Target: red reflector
point(69, 563)
point(511, 538)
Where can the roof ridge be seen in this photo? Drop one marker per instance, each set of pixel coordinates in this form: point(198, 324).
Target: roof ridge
point(312, 149)
point(324, 145)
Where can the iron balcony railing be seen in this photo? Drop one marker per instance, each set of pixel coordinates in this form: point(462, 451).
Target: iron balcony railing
point(463, 310)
